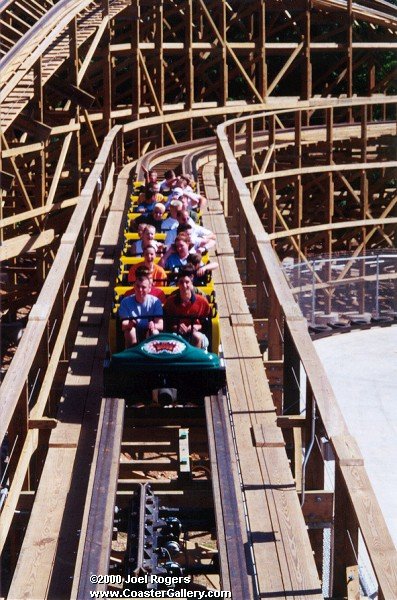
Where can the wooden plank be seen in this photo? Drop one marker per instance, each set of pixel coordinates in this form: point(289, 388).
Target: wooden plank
point(70, 307)
point(263, 539)
point(383, 553)
point(42, 534)
point(231, 341)
point(96, 534)
point(43, 423)
point(228, 272)
point(72, 92)
point(19, 150)
point(18, 218)
point(228, 506)
point(291, 421)
point(11, 501)
point(37, 128)
point(235, 299)
point(276, 521)
point(347, 452)
point(223, 245)
point(267, 437)
point(242, 320)
point(66, 470)
point(295, 553)
point(323, 169)
point(353, 583)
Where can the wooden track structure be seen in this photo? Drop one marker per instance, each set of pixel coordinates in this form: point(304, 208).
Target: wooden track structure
point(294, 163)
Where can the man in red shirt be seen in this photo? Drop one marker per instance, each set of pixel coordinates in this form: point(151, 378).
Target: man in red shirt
point(185, 303)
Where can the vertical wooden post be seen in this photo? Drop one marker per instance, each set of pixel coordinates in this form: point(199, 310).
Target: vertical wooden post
point(364, 205)
point(39, 180)
point(107, 69)
point(329, 117)
point(371, 87)
point(159, 66)
point(189, 62)
point(314, 475)
point(224, 91)
point(298, 188)
point(232, 137)
point(73, 77)
point(298, 140)
point(261, 287)
point(291, 376)
point(271, 211)
point(349, 72)
point(329, 204)
point(220, 164)
point(345, 536)
point(135, 71)
point(253, 258)
point(361, 263)
point(247, 161)
point(40, 161)
point(306, 91)
point(18, 429)
point(275, 351)
point(261, 80)
point(328, 239)
point(250, 145)
point(364, 132)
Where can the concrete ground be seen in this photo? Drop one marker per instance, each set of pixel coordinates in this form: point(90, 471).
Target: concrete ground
point(362, 368)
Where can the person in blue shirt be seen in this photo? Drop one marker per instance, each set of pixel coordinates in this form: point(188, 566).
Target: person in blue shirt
point(147, 205)
point(141, 315)
point(180, 253)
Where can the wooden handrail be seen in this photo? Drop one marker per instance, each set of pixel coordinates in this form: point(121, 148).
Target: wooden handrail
point(17, 375)
point(333, 421)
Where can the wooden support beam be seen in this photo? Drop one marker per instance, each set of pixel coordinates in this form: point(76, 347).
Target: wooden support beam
point(6, 180)
point(307, 86)
point(318, 507)
point(226, 45)
point(90, 128)
point(38, 129)
point(291, 421)
point(284, 69)
point(106, 60)
point(43, 423)
point(74, 93)
point(88, 54)
point(262, 66)
point(37, 212)
point(25, 243)
point(153, 93)
point(224, 78)
point(18, 176)
point(7, 514)
point(368, 236)
point(59, 168)
point(189, 56)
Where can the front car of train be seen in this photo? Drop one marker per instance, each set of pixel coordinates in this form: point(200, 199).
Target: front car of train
point(164, 368)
